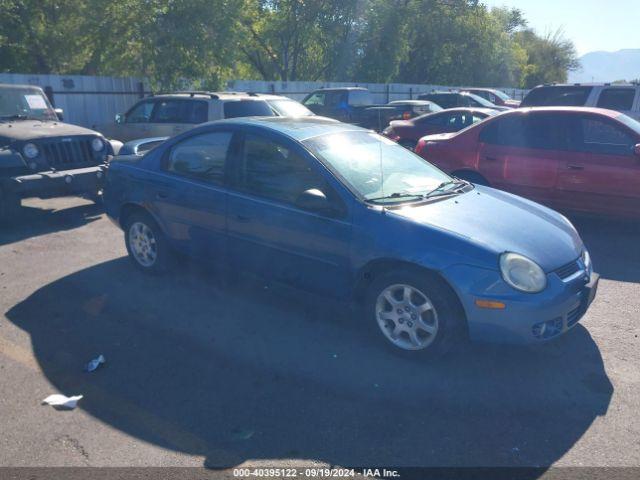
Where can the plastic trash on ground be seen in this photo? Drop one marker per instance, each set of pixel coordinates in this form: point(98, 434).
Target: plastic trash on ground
point(95, 363)
point(62, 401)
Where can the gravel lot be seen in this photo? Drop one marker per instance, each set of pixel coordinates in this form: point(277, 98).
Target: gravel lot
point(221, 372)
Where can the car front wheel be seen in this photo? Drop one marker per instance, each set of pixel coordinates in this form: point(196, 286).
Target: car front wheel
point(415, 312)
point(146, 244)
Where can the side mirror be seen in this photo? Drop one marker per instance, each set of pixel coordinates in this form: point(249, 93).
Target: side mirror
point(636, 150)
point(314, 200)
point(59, 113)
point(119, 118)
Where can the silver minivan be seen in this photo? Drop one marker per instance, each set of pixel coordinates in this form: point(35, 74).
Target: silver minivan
point(622, 97)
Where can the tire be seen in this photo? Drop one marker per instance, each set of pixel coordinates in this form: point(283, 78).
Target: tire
point(146, 244)
point(393, 323)
point(472, 177)
point(408, 144)
point(9, 206)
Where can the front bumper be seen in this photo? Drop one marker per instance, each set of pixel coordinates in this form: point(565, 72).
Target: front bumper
point(58, 183)
point(526, 318)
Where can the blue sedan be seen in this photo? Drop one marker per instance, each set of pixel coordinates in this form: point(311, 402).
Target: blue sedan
point(341, 211)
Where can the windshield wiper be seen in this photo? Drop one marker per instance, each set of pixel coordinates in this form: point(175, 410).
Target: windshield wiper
point(456, 185)
point(398, 195)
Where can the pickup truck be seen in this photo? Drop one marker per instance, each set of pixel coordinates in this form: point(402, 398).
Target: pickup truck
point(355, 105)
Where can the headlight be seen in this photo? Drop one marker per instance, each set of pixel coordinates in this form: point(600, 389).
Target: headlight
point(30, 150)
point(586, 259)
point(521, 273)
point(97, 145)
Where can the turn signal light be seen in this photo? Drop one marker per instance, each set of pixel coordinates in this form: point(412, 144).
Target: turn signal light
point(490, 304)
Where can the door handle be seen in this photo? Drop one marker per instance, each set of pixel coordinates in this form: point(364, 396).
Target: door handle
point(575, 167)
point(242, 219)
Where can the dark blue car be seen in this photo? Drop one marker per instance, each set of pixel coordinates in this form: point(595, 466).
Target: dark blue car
point(342, 211)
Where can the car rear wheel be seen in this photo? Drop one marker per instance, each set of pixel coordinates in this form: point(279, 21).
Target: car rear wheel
point(146, 244)
point(414, 312)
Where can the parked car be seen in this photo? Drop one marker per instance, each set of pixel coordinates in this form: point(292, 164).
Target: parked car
point(347, 104)
point(497, 97)
point(41, 156)
point(459, 99)
point(571, 158)
point(408, 132)
point(378, 117)
point(323, 206)
point(284, 106)
point(169, 115)
point(624, 98)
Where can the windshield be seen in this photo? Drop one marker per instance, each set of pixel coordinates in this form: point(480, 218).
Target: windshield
point(27, 103)
point(501, 95)
point(481, 101)
point(632, 123)
point(289, 108)
point(375, 167)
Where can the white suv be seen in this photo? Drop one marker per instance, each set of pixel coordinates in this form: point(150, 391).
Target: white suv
point(624, 98)
point(169, 115)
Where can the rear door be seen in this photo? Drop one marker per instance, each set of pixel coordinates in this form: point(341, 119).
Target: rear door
point(602, 174)
point(270, 235)
point(521, 154)
point(189, 195)
point(623, 99)
point(174, 115)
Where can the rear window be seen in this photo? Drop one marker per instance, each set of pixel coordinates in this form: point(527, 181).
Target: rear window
point(247, 108)
point(567, 95)
point(617, 98)
point(180, 111)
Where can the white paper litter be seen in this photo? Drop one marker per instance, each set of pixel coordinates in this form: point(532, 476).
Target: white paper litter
point(58, 400)
point(95, 363)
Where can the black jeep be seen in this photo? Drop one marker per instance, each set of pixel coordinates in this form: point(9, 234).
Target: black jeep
point(40, 156)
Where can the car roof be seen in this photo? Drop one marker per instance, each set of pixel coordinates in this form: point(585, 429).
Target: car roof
point(599, 111)
point(488, 111)
point(592, 84)
point(410, 102)
point(299, 128)
point(330, 89)
point(212, 95)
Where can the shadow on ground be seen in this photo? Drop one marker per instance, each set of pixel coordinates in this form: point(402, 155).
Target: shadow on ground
point(614, 246)
point(247, 371)
point(33, 221)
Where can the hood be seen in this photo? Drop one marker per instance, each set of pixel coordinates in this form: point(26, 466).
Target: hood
point(438, 137)
point(501, 222)
point(34, 129)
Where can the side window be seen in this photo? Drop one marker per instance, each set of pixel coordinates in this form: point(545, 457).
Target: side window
point(141, 113)
point(617, 98)
point(336, 99)
point(530, 131)
point(603, 137)
point(271, 170)
point(180, 111)
point(201, 157)
point(315, 99)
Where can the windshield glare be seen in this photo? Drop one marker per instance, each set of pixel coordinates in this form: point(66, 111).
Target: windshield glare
point(374, 166)
point(25, 102)
point(481, 101)
point(290, 108)
point(501, 95)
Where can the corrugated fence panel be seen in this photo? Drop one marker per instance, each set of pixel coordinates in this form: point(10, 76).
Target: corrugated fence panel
point(86, 100)
point(381, 92)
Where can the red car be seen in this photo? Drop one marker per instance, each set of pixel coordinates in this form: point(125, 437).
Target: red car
point(570, 158)
point(408, 132)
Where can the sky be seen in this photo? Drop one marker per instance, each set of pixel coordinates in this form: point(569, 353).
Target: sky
point(593, 25)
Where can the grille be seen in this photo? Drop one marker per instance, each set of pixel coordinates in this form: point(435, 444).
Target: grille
point(567, 270)
point(68, 153)
point(573, 316)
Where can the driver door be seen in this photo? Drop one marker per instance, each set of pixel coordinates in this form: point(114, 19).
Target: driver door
point(270, 235)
